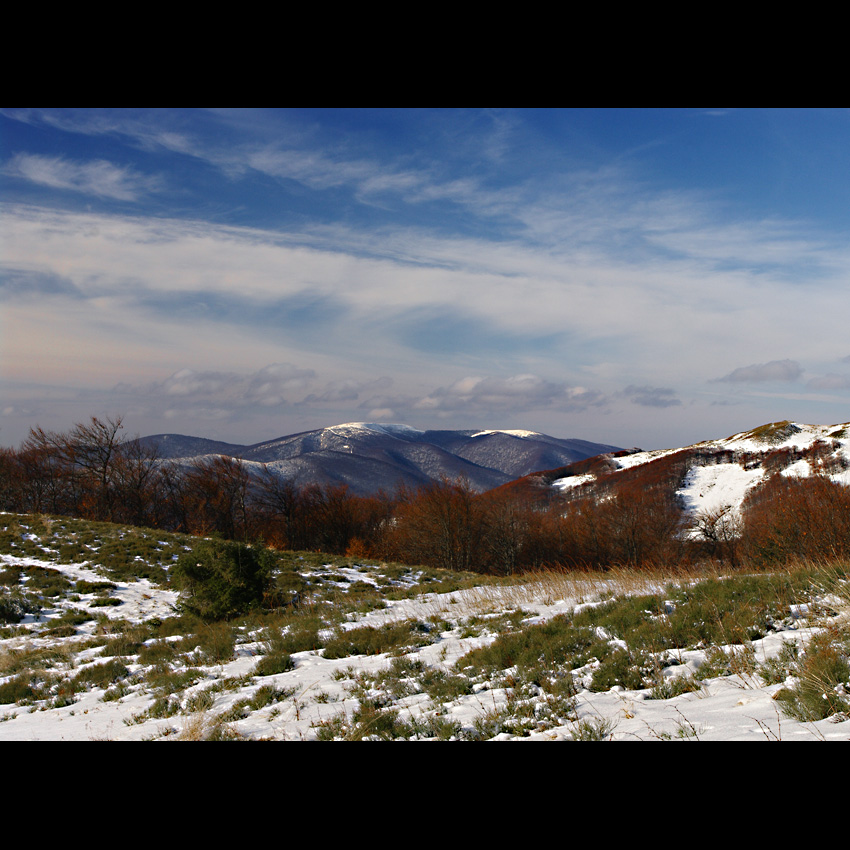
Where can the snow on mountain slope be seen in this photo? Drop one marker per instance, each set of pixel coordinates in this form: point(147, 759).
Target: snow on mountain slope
point(370, 457)
point(358, 428)
point(306, 698)
point(520, 434)
point(709, 489)
point(720, 473)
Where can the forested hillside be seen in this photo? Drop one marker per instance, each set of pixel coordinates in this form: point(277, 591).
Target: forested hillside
point(760, 498)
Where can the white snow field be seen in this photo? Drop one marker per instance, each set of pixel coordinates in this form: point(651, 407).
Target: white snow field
point(319, 694)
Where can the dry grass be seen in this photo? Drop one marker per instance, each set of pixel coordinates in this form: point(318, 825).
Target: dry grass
point(204, 726)
point(30, 657)
point(552, 586)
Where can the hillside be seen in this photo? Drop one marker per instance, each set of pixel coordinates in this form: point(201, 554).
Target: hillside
point(372, 457)
point(92, 648)
point(114, 632)
point(711, 477)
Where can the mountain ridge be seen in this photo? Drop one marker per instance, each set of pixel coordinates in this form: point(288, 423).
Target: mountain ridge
point(709, 477)
point(369, 457)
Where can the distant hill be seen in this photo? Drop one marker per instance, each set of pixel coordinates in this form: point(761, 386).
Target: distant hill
point(714, 476)
point(372, 457)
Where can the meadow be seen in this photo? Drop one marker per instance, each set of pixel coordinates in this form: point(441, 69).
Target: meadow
point(107, 634)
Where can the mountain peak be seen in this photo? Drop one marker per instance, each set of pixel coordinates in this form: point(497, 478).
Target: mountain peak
point(715, 476)
point(522, 435)
point(378, 428)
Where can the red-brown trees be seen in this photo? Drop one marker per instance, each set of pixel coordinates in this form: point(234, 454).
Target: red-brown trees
point(217, 494)
point(439, 525)
point(793, 518)
point(90, 452)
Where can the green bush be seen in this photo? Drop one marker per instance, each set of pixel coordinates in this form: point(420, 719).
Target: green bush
point(823, 680)
point(392, 637)
point(13, 608)
point(214, 643)
point(221, 580)
point(549, 646)
point(271, 665)
point(630, 670)
point(46, 582)
point(102, 675)
point(126, 644)
point(20, 689)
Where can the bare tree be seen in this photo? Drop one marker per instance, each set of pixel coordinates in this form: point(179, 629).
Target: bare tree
point(92, 449)
point(720, 531)
point(218, 493)
point(139, 485)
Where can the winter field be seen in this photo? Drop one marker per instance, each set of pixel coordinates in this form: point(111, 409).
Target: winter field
point(380, 652)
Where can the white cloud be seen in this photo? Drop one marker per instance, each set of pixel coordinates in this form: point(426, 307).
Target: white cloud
point(146, 128)
point(514, 393)
point(99, 178)
point(267, 387)
point(647, 284)
point(320, 170)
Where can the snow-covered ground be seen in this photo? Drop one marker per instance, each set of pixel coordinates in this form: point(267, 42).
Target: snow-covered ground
point(713, 489)
point(318, 690)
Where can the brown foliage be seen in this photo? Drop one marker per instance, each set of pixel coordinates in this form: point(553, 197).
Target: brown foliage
point(793, 518)
point(440, 525)
point(216, 493)
point(627, 517)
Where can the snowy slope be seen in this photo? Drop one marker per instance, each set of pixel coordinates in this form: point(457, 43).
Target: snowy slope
point(317, 690)
point(722, 472)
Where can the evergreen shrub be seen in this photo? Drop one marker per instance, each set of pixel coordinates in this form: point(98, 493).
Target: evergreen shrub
point(221, 579)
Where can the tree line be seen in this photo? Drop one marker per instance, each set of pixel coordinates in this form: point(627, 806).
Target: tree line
point(94, 471)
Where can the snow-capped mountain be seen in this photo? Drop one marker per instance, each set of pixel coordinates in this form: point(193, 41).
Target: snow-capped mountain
point(369, 457)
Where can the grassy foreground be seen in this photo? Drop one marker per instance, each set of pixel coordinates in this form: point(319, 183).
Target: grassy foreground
point(91, 621)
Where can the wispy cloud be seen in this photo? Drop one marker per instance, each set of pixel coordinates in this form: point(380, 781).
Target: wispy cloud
point(830, 382)
point(360, 299)
point(147, 128)
point(460, 263)
point(320, 170)
point(99, 178)
point(661, 397)
point(268, 387)
point(350, 390)
point(786, 371)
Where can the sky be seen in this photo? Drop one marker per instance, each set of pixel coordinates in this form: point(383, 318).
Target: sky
point(641, 277)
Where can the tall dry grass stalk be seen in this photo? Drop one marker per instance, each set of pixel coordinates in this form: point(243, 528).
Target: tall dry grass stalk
point(553, 586)
point(836, 587)
point(205, 726)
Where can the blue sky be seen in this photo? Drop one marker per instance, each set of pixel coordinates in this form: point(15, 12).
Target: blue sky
point(637, 276)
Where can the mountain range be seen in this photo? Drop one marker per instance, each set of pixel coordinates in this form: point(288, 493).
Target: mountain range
point(372, 457)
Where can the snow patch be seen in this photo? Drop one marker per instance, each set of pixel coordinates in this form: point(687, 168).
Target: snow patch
point(523, 435)
point(709, 489)
point(390, 430)
point(573, 481)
